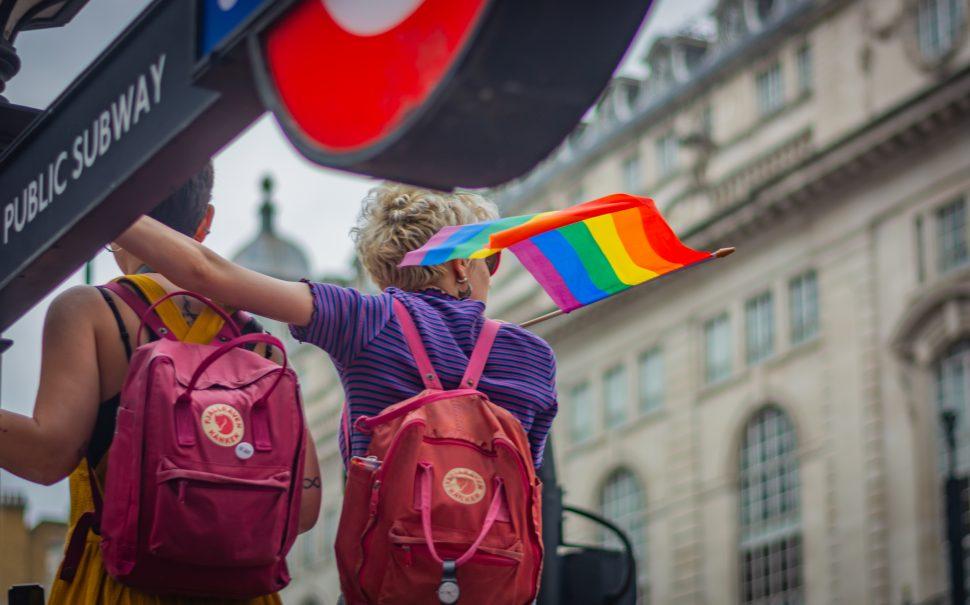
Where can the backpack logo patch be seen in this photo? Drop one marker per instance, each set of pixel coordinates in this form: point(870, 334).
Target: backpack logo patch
point(222, 424)
point(464, 485)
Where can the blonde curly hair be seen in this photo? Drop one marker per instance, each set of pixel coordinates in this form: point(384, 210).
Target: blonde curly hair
point(397, 218)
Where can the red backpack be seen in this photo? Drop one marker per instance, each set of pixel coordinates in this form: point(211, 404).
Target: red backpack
point(446, 505)
point(202, 494)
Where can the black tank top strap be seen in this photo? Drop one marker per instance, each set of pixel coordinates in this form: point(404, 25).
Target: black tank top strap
point(122, 330)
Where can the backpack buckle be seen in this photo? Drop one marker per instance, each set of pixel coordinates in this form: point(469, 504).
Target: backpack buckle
point(448, 591)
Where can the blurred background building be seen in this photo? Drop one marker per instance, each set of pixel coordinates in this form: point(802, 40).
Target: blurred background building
point(28, 555)
point(766, 428)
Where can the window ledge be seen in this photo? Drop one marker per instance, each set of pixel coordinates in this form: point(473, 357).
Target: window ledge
point(713, 388)
point(774, 360)
point(642, 419)
point(576, 447)
point(804, 346)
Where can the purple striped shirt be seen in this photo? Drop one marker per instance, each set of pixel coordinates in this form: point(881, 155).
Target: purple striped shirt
point(365, 343)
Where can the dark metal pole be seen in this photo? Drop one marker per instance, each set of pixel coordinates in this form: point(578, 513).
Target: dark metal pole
point(550, 592)
point(955, 527)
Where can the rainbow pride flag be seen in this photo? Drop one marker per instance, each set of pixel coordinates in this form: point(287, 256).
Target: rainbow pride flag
point(578, 255)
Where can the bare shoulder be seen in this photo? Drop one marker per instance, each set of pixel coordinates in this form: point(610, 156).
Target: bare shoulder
point(75, 304)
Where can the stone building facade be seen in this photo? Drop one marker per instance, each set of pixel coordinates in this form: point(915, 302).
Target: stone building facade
point(766, 427)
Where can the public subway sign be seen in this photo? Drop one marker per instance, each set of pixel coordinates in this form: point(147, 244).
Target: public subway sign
point(440, 93)
point(107, 129)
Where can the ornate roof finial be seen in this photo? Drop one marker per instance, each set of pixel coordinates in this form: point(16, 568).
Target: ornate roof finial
point(267, 211)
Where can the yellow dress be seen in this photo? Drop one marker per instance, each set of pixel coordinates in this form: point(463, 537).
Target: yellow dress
point(91, 584)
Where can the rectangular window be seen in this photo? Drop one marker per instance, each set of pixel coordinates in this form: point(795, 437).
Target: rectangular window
point(759, 328)
point(667, 150)
point(717, 349)
point(920, 251)
point(803, 302)
point(651, 378)
point(632, 182)
point(707, 123)
point(615, 393)
point(771, 93)
point(804, 60)
point(952, 238)
point(581, 418)
point(938, 26)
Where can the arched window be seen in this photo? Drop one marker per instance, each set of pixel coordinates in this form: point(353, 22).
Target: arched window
point(770, 551)
point(952, 390)
point(622, 501)
point(952, 386)
point(953, 381)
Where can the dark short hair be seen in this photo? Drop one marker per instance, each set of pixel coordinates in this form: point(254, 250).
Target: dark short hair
point(185, 208)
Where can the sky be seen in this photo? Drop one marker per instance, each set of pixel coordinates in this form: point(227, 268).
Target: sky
point(317, 206)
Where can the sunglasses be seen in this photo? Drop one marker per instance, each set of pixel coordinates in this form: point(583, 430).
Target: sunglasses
point(492, 262)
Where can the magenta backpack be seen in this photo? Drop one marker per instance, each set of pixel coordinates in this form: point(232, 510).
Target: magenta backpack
point(202, 495)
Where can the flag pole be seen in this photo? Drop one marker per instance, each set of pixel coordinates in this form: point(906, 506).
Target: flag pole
point(537, 320)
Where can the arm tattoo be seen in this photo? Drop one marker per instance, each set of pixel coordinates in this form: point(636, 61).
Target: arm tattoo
point(311, 483)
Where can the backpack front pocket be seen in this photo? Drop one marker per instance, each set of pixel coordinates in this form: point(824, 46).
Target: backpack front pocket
point(217, 520)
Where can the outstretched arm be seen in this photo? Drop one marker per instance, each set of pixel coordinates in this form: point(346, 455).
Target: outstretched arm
point(192, 266)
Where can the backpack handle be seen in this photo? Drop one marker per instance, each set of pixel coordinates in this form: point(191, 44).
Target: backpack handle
point(151, 308)
point(424, 486)
point(184, 426)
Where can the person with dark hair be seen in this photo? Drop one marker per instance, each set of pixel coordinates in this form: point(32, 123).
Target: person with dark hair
point(187, 208)
point(89, 336)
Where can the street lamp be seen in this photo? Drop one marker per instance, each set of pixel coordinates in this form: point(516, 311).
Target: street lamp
point(955, 511)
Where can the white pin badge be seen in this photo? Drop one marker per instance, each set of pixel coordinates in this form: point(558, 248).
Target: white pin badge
point(244, 451)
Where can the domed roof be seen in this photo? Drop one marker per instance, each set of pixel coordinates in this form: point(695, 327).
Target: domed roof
point(270, 253)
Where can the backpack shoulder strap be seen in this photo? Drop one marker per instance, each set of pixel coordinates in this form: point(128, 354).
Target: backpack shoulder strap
point(167, 311)
point(413, 339)
point(139, 306)
point(483, 346)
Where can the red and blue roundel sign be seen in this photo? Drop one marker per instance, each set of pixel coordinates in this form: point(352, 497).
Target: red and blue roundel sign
point(439, 93)
point(348, 72)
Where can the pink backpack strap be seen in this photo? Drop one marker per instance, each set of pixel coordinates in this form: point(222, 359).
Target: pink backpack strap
point(420, 354)
point(480, 354)
point(139, 306)
point(345, 425)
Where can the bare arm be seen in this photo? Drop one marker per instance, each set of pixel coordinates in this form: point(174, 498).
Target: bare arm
point(312, 487)
point(192, 266)
point(45, 448)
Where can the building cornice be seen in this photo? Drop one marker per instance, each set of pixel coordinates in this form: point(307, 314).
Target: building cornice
point(722, 66)
point(932, 114)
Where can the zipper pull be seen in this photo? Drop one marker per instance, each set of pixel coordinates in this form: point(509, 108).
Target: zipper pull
point(182, 491)
point(408, 556)
point(375, 491)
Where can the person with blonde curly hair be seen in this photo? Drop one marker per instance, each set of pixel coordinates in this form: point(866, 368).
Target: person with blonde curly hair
point(360, 332)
